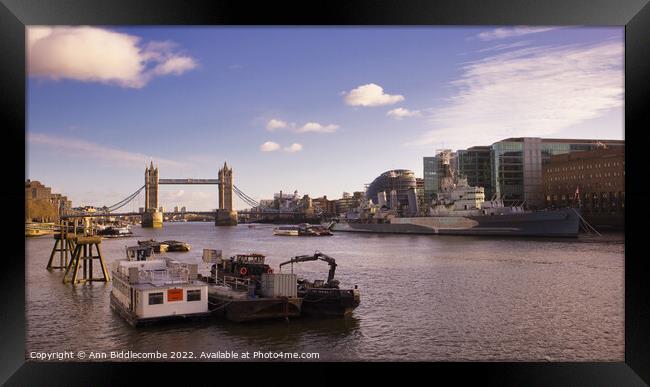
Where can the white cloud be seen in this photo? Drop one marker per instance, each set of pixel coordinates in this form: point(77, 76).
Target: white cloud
point(505, 46)
point(317, 128)
point(269, 146)
point(295, 147)
point(86, 149)
point(313, 127)
point(509, 32)
point(533, 91)
point(91, 54)
point(274, 124)
point(370, 95)
point(401, 113)
point(176, 65)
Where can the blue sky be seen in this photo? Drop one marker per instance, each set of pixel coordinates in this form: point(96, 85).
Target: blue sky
point(318, 110)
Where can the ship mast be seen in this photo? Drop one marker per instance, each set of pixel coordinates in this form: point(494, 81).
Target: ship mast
point(447, 178)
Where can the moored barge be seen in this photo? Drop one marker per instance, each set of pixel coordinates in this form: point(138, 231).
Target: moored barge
point(244, 288)
point(146, 289)
point(324, 298)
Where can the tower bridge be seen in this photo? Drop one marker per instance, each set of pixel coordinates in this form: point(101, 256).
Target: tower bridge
point(152, 216)
point(225, 215)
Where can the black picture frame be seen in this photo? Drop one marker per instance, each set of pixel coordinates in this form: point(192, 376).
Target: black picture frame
point(633, 14)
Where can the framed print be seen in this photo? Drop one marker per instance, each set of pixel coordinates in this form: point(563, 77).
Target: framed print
point(366, 187)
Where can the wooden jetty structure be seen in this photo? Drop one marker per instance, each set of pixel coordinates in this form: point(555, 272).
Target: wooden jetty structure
point(76, 255)
point(64, 244)
point(82, 260)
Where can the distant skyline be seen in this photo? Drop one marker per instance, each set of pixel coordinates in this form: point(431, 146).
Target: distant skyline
point(318, 110)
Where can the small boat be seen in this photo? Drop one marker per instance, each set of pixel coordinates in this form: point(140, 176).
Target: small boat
point(306, 229)
point(287, 231)
point(324, 298)
point(303, 229)
point(115, 231)
point(146, 289)
point(39, 229)
point(177, 246)
point(158, 247)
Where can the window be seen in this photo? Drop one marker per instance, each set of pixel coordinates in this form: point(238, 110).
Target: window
point(194, 295)
point(155, 298)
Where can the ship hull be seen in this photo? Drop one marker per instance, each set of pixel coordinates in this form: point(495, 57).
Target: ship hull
point(242, 310)
point(329, 302)
point(561, 223)
point(137, 321)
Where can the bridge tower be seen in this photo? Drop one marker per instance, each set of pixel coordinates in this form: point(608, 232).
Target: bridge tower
point(151, 217)
point(225, 215)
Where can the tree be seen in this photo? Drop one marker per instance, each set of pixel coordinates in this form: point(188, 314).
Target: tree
point(40, 210)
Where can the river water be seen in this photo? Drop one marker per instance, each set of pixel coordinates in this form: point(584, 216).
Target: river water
point(430, 298)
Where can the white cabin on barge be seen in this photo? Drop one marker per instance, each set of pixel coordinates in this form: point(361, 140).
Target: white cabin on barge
point(151, 290)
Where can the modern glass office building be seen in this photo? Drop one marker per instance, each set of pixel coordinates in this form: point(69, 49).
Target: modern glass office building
point(475, 164)
point(430, 178)
point(516, 165)
point(433, 171)
point(510, 168)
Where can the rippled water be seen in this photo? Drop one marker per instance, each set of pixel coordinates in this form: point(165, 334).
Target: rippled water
point(433, 298)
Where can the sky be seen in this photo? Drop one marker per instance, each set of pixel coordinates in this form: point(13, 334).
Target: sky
point(318, 110)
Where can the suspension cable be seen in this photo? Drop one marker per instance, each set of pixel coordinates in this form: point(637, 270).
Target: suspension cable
point(124, 201)
point(121, 204)
point(241, 193)
point(250, 201)
point(246, 200)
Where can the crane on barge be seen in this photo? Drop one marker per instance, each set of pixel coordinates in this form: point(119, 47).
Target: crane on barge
point(324, 298)
point(331, 282)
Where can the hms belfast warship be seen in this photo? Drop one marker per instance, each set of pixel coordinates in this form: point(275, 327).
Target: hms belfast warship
point(459, 209)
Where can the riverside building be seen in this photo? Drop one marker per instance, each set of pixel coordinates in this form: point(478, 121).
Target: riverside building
point(475, 164)
point(433, 171)
point(42, 205)
point(517, 165)
point(510, 169)
point(592, 180)
point(394, 186)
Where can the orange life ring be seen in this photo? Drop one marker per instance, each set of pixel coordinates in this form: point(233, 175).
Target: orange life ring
point(269, 270)
point(243, 271)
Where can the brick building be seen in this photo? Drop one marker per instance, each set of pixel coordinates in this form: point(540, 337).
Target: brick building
point(43, 205)
point(326, 205)
point(593, 180)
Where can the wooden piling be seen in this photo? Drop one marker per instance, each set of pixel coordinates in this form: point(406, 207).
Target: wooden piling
point(64, 245)
point(82, 256)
